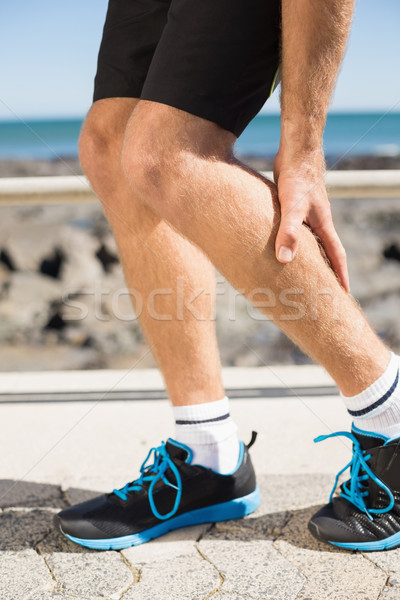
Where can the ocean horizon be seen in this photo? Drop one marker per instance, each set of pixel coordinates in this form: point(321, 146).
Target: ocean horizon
point(346, 134)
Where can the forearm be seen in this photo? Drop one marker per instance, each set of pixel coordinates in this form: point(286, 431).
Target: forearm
point(314, 34)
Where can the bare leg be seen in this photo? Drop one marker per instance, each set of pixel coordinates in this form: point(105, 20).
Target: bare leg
point(173, 278)
point(183, 167)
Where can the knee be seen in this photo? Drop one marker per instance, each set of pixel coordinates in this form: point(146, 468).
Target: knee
point(156, 169)
point(97, 147)
point(143, 162)
point(161, 175)
point(162, 150)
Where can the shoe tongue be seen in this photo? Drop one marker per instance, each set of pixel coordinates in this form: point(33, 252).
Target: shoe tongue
point(368, 440)
point(178, 451)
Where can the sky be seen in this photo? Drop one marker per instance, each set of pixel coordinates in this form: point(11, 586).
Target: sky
point(49, 50)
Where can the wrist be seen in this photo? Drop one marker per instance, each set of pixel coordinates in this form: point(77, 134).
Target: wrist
point(306, 158)
point(302, 135)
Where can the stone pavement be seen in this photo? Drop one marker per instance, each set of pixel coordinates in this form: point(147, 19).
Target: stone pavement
point(57, 450)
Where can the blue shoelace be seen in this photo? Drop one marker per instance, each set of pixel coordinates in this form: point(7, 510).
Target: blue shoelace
point(153, 473)
point(360, 472)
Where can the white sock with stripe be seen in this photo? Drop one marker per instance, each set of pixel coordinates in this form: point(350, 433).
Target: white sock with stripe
point(210, 432)
point(377, 409)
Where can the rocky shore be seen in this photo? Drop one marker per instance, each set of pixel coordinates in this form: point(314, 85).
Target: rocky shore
point(63, 304)
point(70, 165)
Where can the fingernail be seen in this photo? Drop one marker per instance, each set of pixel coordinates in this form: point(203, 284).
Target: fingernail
point(285, 254)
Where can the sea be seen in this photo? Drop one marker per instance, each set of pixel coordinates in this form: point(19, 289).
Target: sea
point(346, 134)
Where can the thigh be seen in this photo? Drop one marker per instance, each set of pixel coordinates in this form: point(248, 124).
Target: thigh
point(131, 33)
point(217, 59)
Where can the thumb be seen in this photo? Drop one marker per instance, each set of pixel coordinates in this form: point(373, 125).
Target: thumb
point(287, 239)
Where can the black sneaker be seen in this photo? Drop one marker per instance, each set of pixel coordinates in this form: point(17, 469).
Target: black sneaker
point(170, 493)
point(366, 513)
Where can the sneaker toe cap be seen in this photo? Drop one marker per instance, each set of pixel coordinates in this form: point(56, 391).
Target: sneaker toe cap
point(74, 522)
point(327, 526)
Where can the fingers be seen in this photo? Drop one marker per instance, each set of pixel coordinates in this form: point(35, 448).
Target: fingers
point(302, 202)
point(320, 221)
point(287, 239)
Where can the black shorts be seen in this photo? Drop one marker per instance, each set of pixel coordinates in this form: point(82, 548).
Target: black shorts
point(216, 59)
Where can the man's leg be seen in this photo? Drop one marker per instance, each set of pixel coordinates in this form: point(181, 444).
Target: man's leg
point(190, 177)
point(206, 74)
point(182, 166)
point(173, 284)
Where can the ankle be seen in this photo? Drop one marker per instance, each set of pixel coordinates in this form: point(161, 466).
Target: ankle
point(377, 409)
point(210, 432)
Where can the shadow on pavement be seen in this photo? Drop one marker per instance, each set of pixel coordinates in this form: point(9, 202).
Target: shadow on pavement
point(28, 508)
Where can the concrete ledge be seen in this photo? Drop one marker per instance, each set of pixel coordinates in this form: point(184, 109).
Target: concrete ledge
point(147, 384)
point(359, 184)
point(42, 190)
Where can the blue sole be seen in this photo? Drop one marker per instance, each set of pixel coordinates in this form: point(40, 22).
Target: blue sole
point(234, 509)
point(388, 543)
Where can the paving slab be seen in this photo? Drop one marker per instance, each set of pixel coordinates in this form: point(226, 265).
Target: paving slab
point(103, 575)
point(254, 567)
point(287, 492)
point(56, 596)
point(332, 574)
point(22, 530)
point(177, 543)
point(30, 494)
point(389, 562)
point(231, 596)
point(390, 593)
point(76, 495)
point(184, 577)
point(49, 596)
point(85, 573)
point(22, 573)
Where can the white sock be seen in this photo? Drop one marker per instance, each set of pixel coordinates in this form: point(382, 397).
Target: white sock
point(210, 432)
point(377, 409)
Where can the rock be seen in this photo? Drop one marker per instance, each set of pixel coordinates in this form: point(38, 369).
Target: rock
point(5, 278)
point(27, 303)
point(29, 245)
point(36, 168)
point(392, 252)
point(82, 268)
